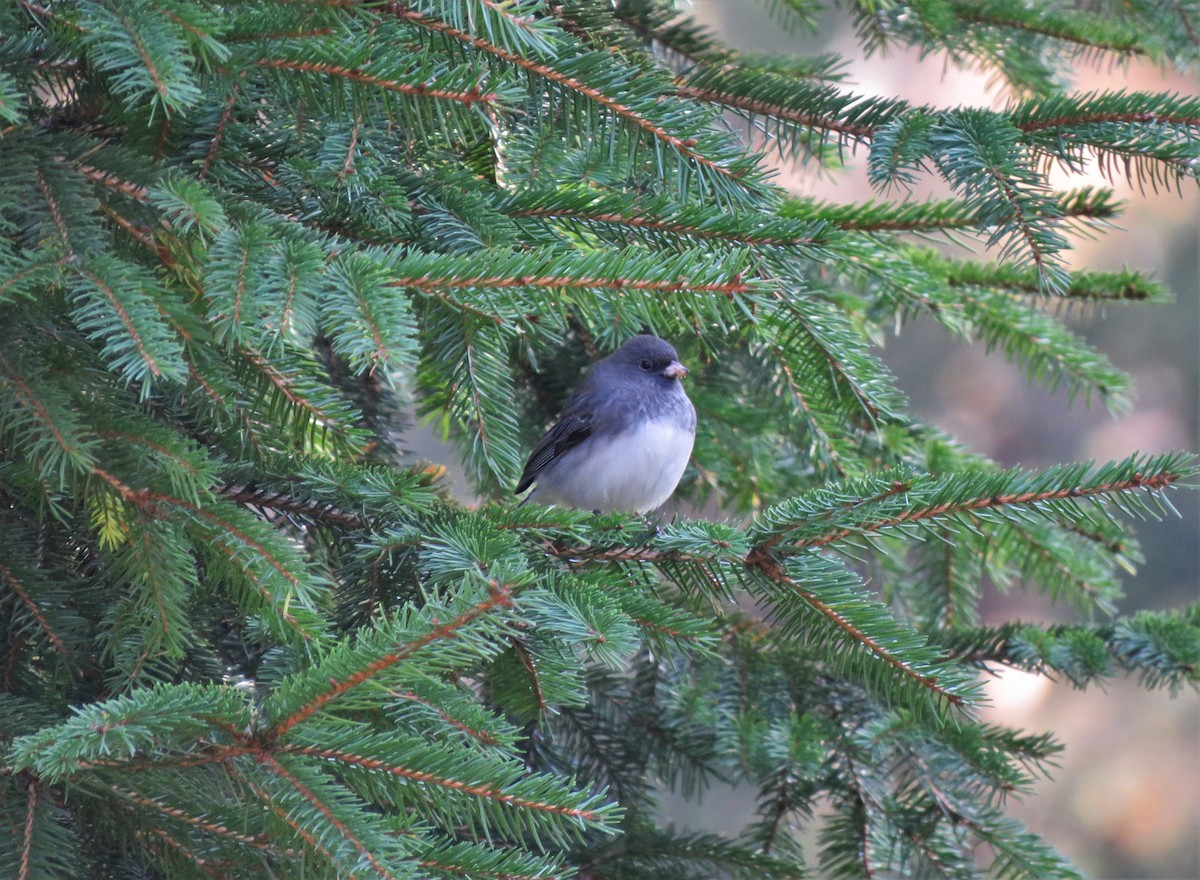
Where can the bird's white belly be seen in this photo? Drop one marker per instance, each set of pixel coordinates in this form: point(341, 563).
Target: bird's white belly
point(637, 470)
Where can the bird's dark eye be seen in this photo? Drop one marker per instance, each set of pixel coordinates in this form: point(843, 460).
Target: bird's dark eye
point(647, 365)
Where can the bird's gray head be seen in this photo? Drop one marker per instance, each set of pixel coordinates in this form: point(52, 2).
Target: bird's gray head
point(647, 356)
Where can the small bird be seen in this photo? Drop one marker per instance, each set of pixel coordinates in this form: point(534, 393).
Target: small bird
point(624, 437)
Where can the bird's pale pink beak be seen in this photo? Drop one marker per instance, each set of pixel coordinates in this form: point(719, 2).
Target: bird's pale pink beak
point(675, 370)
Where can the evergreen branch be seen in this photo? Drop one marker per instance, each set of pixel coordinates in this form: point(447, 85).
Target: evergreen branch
point(878, 504)
point(215, 828)
point(484, 737)
point(678, 34)
point(230, 528)
point(471, 860)
point(558, 282)
point(1120, 108)
point(214, 143)
point(182, 457)
point(530, 667)
point(230, 532)
point(365, 852)
point(465, 379)
point(17, 282)
point(263, 499)
point(146, 54)
point(113, 181)
point(209, 757)
point(1067, 28)
point(1161, 648)
point(1060, 568)
point(614, 272)
point(1050, 352)
point(682, 853)
point(175, 846)
point(41, 11)
point(809, 332)
point(980, 302)
point(290, 390)
point(64, 442)
point(825, 447)
point(271, 803)
point(500, 595)
point(1148, 134)
point(136, 731)
point(142, 326)
point(485, 792)
point(367, 324)
point(26, 598)
point(777, 574)
point(749, 105)
point(1019, 854)
point(740, 173)
point(665, 219)
point(1186, 20)
point(461, 871)
point(467, 98)
point(56, 212)
point(521, 28)
point(140, 234)
point(31, 796)
point(1123, 286)
point(975, 153)
point(868, 626)
point(155, 76)
point(1088, 204)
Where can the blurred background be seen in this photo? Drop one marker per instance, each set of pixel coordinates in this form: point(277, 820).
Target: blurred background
point(1125, 803)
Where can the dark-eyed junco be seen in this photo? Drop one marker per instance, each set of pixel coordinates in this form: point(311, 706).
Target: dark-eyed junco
point(624, 436)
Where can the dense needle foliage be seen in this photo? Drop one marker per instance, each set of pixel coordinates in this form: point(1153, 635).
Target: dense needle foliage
point(243, 245)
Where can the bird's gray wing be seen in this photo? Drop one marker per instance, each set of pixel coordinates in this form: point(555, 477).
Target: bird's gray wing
point(569, 431)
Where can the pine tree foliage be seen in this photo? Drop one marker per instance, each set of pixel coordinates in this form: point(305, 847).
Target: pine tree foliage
point(247, 632)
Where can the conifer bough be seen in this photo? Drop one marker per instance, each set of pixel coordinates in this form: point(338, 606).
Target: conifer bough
point(247, 632)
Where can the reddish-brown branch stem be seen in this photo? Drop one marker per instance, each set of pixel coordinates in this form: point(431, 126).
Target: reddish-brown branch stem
point(966, 12)
point(27, 600)
point(126, 321)
point(770, 567)
point(159, 85)
point(501, 596)
point(280, 382)
point(1101, 118)
point(443, 868)
point(1137, 481)
point(315, 510)
point(530, 667)
point(31, 799)
point(216, 870)
point(487, 792)
point(683, 146)
point(482, 736)
point(469, 97)
point(898, 487)
point(303, 790)
point(762, 108)
point(214, 828)
point(206, 757)
point(658, 223)
point(113, 182)
point(55, 214)
point(558, 282)
point(219, 133)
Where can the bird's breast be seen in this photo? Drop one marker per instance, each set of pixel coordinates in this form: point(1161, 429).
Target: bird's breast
point(635, 469)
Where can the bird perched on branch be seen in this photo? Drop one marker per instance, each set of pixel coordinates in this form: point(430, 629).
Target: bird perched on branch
point(624, 437)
